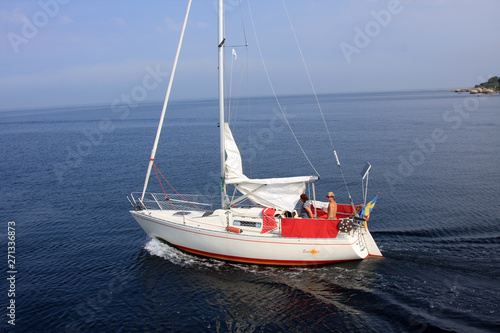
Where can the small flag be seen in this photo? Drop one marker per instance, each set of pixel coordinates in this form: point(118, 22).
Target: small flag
point(366, 210)
point(234, 53)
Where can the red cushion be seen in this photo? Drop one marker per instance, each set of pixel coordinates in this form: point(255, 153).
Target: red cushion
point(309, 228)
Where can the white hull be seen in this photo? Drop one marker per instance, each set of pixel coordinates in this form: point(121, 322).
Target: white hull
point(207, 236)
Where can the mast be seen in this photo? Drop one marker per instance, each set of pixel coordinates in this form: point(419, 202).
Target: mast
point(221, 41)
point(165, 103)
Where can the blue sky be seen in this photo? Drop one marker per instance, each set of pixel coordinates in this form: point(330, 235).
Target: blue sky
point(75, 52)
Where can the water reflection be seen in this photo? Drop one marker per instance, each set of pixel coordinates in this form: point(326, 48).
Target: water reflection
point(195, 292)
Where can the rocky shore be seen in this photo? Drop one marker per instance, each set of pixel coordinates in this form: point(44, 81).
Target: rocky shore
point(476, 90)
point(489, 87)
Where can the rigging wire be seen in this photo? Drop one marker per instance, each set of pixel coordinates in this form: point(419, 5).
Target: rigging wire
point(230, 87)
point(246, 57)
point(247, 83)
point(157, 171)
point(233, 105)
point(159, 180)
point(274, 91)
point(317, 100)
point(165, 102)
point(248, 115)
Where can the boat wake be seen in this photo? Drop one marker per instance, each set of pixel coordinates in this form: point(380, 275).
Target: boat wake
point(178, 257)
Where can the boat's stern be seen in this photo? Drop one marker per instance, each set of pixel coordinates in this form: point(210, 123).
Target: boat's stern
point(371, 246)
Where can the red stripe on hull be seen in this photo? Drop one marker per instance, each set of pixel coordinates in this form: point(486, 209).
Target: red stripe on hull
point(262, 261)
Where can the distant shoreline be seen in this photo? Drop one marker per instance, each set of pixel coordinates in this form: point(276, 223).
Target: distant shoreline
point(489, 87)
point(474, 91)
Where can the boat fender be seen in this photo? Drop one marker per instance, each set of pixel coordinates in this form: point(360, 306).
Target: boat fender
point(234, 229)
point(345, 225)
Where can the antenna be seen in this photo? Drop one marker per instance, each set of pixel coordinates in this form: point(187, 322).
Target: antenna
point(364, 174)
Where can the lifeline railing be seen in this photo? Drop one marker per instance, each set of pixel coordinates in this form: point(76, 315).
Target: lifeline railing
point(178, 202)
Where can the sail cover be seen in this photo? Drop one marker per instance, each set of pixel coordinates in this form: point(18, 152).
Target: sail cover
point(278, 193)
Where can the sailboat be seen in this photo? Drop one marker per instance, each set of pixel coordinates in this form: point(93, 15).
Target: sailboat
point(261, 226)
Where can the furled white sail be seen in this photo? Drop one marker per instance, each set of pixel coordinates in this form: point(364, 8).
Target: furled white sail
point(279, 193)
point(233, 164)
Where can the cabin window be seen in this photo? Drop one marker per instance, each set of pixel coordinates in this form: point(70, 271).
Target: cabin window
point(247, 224)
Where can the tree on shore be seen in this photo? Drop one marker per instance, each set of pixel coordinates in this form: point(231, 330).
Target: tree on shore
point(492, 83)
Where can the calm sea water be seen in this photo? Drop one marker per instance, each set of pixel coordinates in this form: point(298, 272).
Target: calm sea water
point(83, 264)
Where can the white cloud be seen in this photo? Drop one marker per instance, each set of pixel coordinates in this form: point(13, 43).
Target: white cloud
point(65, 20)
point(202, 25)
point(171, 25)
point(120, 22)
point(14, 16)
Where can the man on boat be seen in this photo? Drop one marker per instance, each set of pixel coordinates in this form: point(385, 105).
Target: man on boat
point(305, 207)
point(332, 206)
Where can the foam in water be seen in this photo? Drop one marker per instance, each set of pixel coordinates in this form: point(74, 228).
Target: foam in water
point(177, 257)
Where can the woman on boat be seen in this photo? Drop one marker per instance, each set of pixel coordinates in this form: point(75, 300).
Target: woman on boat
point(305, 207)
